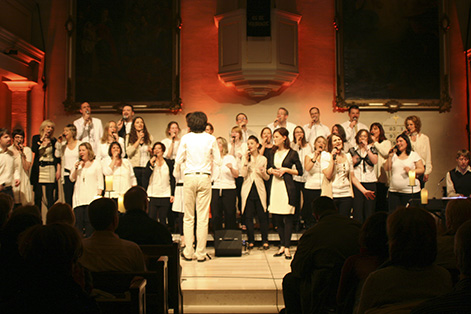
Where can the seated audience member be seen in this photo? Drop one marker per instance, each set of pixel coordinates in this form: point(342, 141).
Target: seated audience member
point(6, 205)
point(60, 213)
point(12, 270)
point(458, 180)
point(458, 301)
point(27, 209)
point(457, 212)
point(319, 258)
point(135, 225)
point(373, 253)
point(411, 275)
point(104, 250)
point(51, 283)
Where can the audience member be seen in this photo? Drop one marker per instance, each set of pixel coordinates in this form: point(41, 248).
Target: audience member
point(315, 270)
point(104, 250)
point(373, 253)
point(458, 301)
point(457, 212)
point(458, 180)
point(27, 209)
point(60, 213)
point(6, 206)
point(12, 274)
point(135, 225)
point(411, 275)
point(52, 283)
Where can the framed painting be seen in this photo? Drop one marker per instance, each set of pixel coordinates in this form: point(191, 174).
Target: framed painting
point(124, 51)
point(392, 55)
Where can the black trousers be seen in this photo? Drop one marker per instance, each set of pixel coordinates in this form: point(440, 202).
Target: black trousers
point(309, 197)
point(82, 222)
point(381, 197)
point(344, 205)
point(284, 227)
point(68, 190)
point(142, 180)
point(400, 199)
point(363, 207)
point(159, 208)
point(38, 194)
point(223, 208)
point(254, 207)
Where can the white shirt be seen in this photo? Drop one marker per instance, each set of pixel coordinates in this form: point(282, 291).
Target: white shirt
point(364, 172)
point(168, 142)
point(159, 181)
point(91, 134)
point(123, 176)
point(8, 172)
point(222, 175)
point(239, 152)
point(352, 132)
point(400, 178)
point(198, 151)
point(302, 152)
point(315, 131)
point(245, 135)
point(422, 147)
point(289, 126)
point(315, 176)
point(88, 182)
point(144, 156)
point(104, 147)
point(341, 186)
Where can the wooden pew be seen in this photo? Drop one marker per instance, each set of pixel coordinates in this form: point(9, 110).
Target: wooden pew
point(156, 288)
point(132, 300)
point(172, 251)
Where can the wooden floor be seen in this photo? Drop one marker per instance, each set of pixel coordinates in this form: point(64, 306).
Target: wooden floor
point(247, 284)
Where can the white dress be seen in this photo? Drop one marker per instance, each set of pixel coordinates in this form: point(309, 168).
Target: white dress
point(23, 193)
point(279, 201)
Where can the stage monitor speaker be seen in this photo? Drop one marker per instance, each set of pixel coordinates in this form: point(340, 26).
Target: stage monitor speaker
point(228, 242)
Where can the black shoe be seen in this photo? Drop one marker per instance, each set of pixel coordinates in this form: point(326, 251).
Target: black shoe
point(288, 256)
point(279, 254)
point(186, 258)
point(202, 260)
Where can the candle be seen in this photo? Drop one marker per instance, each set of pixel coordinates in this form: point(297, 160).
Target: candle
point(121, 204)
point(411, 177)
point(109, 183)
point(424, 196)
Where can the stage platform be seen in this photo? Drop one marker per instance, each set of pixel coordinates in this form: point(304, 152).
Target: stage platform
point(251, 283)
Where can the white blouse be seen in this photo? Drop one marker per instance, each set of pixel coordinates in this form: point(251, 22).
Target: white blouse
point(159, 182)
point(123, 176)
point(400, 178)
point(364, 172)
point(315, 176)
point(302, 152)
point(341, 185)
point(222, 175)
point(87, 184)
point(168, 142)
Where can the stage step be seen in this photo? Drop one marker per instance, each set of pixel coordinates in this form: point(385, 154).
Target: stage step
point(247, 284)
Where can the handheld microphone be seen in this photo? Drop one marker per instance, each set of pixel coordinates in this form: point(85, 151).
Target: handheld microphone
point(233, 139)
point(87, 111)
point(250, 155)
point(395, 148)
